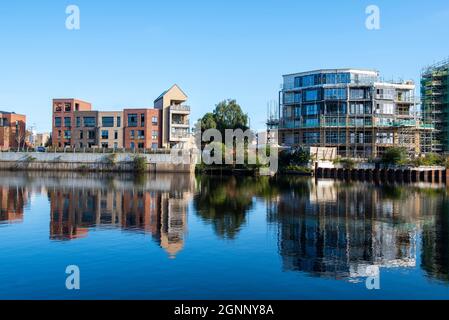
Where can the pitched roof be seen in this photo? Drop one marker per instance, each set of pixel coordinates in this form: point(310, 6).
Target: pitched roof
point(166, 91)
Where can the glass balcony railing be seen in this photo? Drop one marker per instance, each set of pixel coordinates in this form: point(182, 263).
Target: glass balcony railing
point(180, 107)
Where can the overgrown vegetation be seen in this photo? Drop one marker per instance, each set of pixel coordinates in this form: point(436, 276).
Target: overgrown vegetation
point(346, 163)
point(394, 156)
point(140, 164)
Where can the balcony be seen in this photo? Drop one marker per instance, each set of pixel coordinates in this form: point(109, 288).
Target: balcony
point(180, 107)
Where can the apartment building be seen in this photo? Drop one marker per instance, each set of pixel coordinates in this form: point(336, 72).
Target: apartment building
point(435, 103)
point(64, 119)
point(85, 131)
point(75, 124)
point(12, 130)
point(110, 129)
point(175, 116)
point(142, 128)
point(350, 109)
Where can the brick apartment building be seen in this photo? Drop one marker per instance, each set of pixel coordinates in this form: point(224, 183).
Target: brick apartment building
point(64, 119)
point(12, 130)
point(76, 125)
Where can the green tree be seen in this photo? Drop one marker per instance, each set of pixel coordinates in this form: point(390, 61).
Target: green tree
point(395, 156)
point(208, 122)
point(229, 115)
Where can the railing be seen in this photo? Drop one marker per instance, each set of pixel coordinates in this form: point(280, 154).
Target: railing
point(180, 107)
point(88, 150)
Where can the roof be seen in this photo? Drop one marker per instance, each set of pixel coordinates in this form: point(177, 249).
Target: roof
point(166, 91)
point(354, 70)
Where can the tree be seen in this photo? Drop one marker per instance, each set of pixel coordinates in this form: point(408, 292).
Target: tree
point(227, 115)
point(394, 156)
point(208, 122)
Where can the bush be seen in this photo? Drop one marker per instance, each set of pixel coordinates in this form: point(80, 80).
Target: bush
point(298, 169)
point(430, 159)
point(140, 164)
point(345, 162)
point(394, 156)
point(297, 157)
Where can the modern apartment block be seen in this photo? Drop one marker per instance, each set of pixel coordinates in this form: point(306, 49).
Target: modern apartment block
point(175, 116)
point(110, 129)
point(142, 128)
point(350, 109)
point(64, 119)
point(12, 130)
point(76, 125)
point(435, 103)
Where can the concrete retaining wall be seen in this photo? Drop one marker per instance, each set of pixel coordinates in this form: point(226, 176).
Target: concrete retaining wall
point(123, 162)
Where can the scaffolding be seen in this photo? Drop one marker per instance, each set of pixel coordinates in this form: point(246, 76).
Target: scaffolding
point(361, 125)
point(435, 104)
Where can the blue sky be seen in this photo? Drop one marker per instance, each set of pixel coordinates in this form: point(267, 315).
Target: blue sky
point(127, 52)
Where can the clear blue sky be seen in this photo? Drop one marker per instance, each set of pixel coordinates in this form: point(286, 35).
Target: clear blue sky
point(128, 52)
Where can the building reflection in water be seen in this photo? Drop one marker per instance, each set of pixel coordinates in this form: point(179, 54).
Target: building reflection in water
point(155, 206)
point(341, 230)
point(12, 202)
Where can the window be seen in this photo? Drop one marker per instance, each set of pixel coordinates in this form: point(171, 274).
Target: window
point(108, 122)
point(311, 109)
point(119, 121)
point(155, 135)
point(78, 122)
point(115, 145)
point(67, 122)
point(59, 133)
point(58, 122)
point(67, 134)
point(104, 145)
point(311, 137)
point(77, 106)
point(58, 107)
point(313, 122)
point(132, 120)
point(335, 94)
point(115, 135)
point(81, 135)
point(311, 95)
point(357, 108)
point(68, 107)
point(141, 134)
point(91, 135)
point(357, 94)
point(142, 120)
point(154, 146)
point(140, 145)
point(154, 120)
point(133, 145)
point(89, 121)
point(131, 134)
point(104, 134)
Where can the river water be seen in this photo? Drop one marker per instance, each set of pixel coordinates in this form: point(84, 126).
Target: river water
point(185, 237)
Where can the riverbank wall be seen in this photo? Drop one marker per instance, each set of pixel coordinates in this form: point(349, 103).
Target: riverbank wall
point(371, 172)
point(96, 162)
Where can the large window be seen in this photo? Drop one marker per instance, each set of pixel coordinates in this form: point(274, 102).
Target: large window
point(311, 137)
point(335, 94)
point(107, 122)
point(119, 121)
point(311, 95)
point(141, 134)
point(92, 135)
point(104, 134)
point(155, 135)
point(67, 134)
point(311, 109)
point(132, 120)
point(78, 122)
point(58, 122)
point(357, 94)
point(155, 121)
point(142, 120)
point(89, 121)
point(67, 122)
